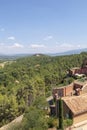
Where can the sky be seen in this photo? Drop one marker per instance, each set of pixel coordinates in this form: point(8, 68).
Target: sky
point(42, 26)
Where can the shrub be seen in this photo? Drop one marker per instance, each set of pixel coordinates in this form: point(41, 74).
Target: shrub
point(68, 122)
point(52, 122)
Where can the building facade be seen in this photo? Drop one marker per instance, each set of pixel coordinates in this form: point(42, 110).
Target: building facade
point(74, 108)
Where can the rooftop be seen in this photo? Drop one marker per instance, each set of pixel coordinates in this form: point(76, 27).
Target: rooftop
point(77, 104)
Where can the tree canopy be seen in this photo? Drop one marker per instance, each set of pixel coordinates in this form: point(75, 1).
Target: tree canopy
point(25, 79)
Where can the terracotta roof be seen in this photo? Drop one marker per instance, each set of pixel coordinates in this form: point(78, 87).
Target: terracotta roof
point(77, 104)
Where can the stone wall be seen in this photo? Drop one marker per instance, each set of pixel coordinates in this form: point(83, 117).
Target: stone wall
point(80, 118)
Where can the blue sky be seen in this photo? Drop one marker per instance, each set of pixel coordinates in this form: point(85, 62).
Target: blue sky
point(42, 26)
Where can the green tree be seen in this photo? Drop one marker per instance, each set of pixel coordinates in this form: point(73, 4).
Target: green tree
point(34, 119)
point(61, 124)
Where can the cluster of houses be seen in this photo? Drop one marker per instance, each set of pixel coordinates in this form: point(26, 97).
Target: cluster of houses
point(74, 97)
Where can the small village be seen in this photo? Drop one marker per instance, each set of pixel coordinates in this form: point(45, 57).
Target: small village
point(74, 97)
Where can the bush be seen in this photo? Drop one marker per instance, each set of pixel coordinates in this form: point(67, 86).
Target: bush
point(68, 122)
point(52, 122)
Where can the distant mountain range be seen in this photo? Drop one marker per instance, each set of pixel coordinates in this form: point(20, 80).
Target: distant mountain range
point(78, 51)
point(15, 56)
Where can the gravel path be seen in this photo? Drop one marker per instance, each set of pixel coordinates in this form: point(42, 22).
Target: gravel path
point(79, 126)
point(17, 120)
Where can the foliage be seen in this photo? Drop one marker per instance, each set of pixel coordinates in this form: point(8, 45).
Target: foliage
point(68, 122)
point(29, 78)
point(61, 123)
point(35, 116)
point(34, 119)
point(52, 122)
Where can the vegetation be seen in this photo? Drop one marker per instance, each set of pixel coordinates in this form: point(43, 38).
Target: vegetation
point(61, 122)
point(34, 117)
point(25, 79)
point(52, 122)
point(68, 122)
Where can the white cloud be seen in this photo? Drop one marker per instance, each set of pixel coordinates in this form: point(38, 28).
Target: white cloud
point(37, 46)
point(11, 38)
point(71, 46)
point(68, 46)
point(48, 37)
point(16, 45)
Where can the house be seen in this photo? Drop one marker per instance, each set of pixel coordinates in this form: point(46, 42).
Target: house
point(74, 71)
point(74, 107)
point(78, 87)
point(74, 96)
point(78, 71)
point(63, 91)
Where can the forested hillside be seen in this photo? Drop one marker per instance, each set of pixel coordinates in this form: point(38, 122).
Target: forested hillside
point(27, 78)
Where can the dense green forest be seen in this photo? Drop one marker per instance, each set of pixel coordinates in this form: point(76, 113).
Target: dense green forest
point(25, 79)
